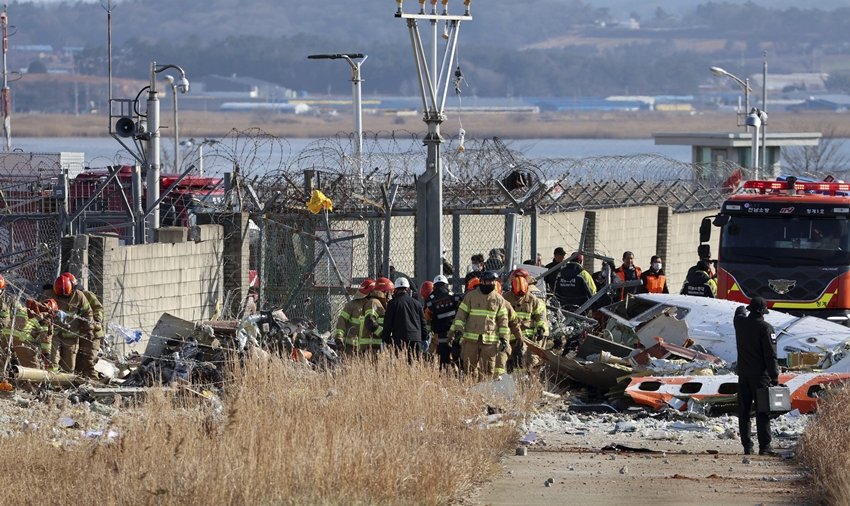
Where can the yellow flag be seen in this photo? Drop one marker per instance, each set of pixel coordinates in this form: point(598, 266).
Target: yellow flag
point(318, 202)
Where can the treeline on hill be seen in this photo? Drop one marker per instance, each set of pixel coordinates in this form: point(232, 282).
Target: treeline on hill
point(270, 40)
point(489, 71)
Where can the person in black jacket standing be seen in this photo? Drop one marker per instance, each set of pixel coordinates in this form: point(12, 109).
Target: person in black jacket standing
point(404, 321)
point(757, 368)
point(440, 310)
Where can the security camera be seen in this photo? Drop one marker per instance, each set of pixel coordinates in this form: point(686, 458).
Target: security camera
point(183, 85)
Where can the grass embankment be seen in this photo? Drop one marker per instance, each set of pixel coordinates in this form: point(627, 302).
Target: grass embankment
point(548, 125)
point(824, 449)
point(378, 432)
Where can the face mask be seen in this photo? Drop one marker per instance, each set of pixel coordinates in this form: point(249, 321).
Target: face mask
point(474, 267)
point(657, 266)
point(486, 289)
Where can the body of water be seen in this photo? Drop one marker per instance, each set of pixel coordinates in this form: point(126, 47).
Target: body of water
point(100, 152)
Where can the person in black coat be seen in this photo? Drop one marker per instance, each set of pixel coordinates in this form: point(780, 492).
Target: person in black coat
point(404, 321)
point(757, 368)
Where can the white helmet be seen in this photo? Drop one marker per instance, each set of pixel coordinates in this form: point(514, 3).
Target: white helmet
point(441, 279)
point(402, 283)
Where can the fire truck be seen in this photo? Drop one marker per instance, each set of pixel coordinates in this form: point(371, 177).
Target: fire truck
point(787, 241)
point(192, 194)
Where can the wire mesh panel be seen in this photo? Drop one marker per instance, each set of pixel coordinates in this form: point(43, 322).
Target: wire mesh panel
point(21, 241)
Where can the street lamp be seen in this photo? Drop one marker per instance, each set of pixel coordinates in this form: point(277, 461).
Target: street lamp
point(170, 80)
point(356, 92)
point(191, 142)
point(153, 141)
point(745, 86)
point(754, 119)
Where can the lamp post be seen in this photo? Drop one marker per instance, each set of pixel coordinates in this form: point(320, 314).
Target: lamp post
point(745, 86)
point(356, 93)
point(754, 120)
point(153, 141)
point(170, 80)
point(191, 142)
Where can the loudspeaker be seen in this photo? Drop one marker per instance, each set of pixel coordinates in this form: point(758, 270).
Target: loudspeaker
point(125, 127)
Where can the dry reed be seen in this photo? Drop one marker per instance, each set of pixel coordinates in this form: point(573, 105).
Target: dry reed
point(372, 432)
point(824, 449)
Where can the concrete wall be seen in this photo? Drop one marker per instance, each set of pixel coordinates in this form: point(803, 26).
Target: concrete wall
point(139, 283)
point(645, 231)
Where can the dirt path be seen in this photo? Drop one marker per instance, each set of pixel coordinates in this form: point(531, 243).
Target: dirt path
point(694, 469)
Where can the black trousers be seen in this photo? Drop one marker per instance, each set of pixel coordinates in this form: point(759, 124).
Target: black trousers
point(747, 386)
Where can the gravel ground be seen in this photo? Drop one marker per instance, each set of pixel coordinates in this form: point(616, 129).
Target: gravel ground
point(585, 459)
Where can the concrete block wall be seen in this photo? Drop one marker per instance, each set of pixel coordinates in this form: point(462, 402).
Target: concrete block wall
point(236, 253)
point(632, 229)
point(557, 230)
point(137, 284)
point(684, 240)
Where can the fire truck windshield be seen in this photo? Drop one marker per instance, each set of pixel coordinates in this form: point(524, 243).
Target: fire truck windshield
point(786, 240)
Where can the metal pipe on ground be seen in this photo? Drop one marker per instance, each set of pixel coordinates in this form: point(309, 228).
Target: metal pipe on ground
point(42, 376)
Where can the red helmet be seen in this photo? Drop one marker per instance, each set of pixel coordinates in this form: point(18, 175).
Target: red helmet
point(2, 283)
point(51, 305)
point(384, 285)
point(71, 277)
point(367, 286)
point(63, 286)
point(474, 282)
point(520, 273)
point(426, 289)
point(498, 286)
point(519, 285)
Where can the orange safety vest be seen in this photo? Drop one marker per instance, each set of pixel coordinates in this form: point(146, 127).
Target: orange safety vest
point(655, 283)
point(622, 275)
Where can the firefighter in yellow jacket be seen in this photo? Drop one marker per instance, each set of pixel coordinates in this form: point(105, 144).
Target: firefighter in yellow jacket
point(505, 348)
point(482, 327)
point(73, 322)
point(357, 324)
point(531, 317)
point(16, 331)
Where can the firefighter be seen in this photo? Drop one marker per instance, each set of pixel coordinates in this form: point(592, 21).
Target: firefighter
point(654, 280)
point(15, 331)
point(40, 338)
point(507, 347)
point(481, 323)
point(351, 325)
point(627, 272)
point(74, 323)
point(531, 317)
point(89, 348)
point(574, 285)
point(440, 310)
point(699, 282)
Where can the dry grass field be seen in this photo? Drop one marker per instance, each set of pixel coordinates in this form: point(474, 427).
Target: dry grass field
point(585, 125)
point(825, 449)
point(372, 432)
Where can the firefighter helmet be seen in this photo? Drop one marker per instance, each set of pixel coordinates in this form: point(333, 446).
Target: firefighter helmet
point(71, 277)
point(441, 279)
point(63, 286)
point(367, 286)
point(489, 276)
point(520, 273)
point(473, 283)
point(2, 283)
point(402, 283)
point(425, 290)
point(519, 285)
point(51, 305)
point(384, 285)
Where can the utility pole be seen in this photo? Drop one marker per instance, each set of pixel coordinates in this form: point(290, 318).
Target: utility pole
point(764, 110)
point(5, 100)
point(432, 81)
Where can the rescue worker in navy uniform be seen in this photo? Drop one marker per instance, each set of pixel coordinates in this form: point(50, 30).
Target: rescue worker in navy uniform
point(574, 285)
point(699, 282)
point(558, 257)
point(440, 310)
point(757, 368)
